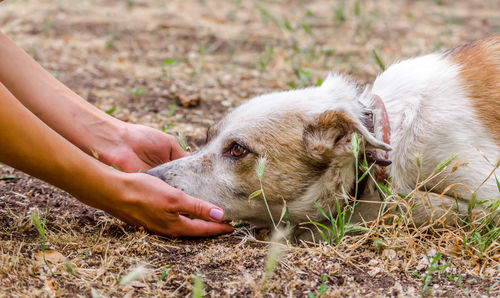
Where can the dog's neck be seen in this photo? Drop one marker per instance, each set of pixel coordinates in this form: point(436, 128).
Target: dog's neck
point(374, 116)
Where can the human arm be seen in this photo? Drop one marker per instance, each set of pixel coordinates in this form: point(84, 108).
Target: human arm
point(130, 147)
point(30, 145)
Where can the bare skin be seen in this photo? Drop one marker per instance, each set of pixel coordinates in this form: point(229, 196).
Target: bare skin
point(50, 132)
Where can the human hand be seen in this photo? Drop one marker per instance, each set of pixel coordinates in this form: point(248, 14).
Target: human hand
point(149, 202)
point(139, 148)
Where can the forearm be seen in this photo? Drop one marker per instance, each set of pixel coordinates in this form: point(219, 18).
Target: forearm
point(31, 146)
point(55, 104)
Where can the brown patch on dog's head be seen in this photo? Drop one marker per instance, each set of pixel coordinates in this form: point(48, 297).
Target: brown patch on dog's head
point(288, 171)
point(328, 135)
point(480, 74)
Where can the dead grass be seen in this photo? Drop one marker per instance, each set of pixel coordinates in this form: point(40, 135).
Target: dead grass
point(132, 58)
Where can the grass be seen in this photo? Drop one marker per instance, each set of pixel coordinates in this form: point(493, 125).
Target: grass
point(436, 267)
point(40, 228)
point(322, 288)
point(197, 286)
point(219, 57)
point(260, 170)
point(138, 92)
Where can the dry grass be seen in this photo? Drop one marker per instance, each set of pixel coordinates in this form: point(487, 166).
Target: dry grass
point(132, 58)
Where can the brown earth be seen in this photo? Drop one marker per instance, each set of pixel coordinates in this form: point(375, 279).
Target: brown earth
point(223, 52)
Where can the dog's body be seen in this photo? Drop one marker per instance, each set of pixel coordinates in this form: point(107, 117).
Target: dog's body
point(437, 105)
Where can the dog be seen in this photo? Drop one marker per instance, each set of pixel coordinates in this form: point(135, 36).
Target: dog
point(416, 114)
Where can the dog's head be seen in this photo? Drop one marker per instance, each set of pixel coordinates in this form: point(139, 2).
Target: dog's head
point(305, 136)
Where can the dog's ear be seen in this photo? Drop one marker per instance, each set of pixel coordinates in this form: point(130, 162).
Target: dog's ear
point(330, 135)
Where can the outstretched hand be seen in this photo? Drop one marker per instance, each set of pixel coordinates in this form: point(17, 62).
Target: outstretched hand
point(141, 148)
point(149, 202)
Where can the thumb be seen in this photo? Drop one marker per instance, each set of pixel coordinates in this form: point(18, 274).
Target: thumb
point(201, 209)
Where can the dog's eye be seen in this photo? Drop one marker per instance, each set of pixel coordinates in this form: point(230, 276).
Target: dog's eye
point(237, 150)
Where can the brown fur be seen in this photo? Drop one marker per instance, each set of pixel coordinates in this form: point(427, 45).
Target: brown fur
point(322, 135)
point(480, 72)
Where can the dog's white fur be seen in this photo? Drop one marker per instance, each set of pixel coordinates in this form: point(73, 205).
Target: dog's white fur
point(431, 117)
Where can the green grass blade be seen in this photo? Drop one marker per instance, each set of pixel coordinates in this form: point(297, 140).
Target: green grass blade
point(378, 60)
point(197, 286)
point(444, 163)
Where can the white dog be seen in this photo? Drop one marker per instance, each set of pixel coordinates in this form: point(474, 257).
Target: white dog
point(416, 114)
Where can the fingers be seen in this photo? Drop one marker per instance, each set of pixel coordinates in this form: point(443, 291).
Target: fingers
point(198, 228)
point(176, 150)
point(199, 208)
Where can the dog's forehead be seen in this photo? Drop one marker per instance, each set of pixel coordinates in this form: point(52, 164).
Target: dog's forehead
point(336, 93)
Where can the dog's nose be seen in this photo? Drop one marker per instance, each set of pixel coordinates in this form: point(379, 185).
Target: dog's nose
point(154, 172)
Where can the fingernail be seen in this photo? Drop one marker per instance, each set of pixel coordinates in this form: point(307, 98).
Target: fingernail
point(216, 214)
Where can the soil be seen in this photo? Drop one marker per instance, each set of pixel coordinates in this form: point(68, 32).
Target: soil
point(138, 56)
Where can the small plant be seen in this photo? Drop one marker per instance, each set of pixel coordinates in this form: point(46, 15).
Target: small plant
point(261, 167)
point(322, 289)
point(181, 139)
point(167, 65)
point(266, 16)
point(9, 178)
point(40, 228)
point(265, 58)
point(71, 270)
point(111, 110)
point(166, 127)
point(304, 79)
point(197, 286)
point(357, 8)
point(112, 37)
point(273, 256)
point(436, 266)
point(165, 271)
point(138, 92)
point(378, 60)
point(339, 225)
point(172, 110)
point(307, 28)
point(339, 13)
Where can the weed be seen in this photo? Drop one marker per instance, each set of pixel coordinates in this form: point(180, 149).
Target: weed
point(165, 271)
point(197, 286)
point(181, 139)
point(304, 78)
point(40, 228)
point(138, 92)
point(273, 256)
point(339, 226)
point(287, 25)
point(172, 110)
point(307, 28)
point(436, 266)
point(378, 60)
point(444, 163)
point(9, 178)
point(166, 127)
point(357, 8)
point(322, 288)
point(265, 58)
point(167, 65)
point(266, 16)
point(110, 42)
point(339, 13)
point(261, 167)
point(111, 110)
point(70, 269)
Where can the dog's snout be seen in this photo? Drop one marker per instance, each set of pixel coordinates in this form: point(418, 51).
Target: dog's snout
point(154, 172)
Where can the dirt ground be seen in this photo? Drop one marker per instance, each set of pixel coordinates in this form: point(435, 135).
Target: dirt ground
point(133, 58)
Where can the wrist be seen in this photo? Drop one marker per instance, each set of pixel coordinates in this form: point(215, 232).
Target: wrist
point(105, 138)
point(102, 187)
